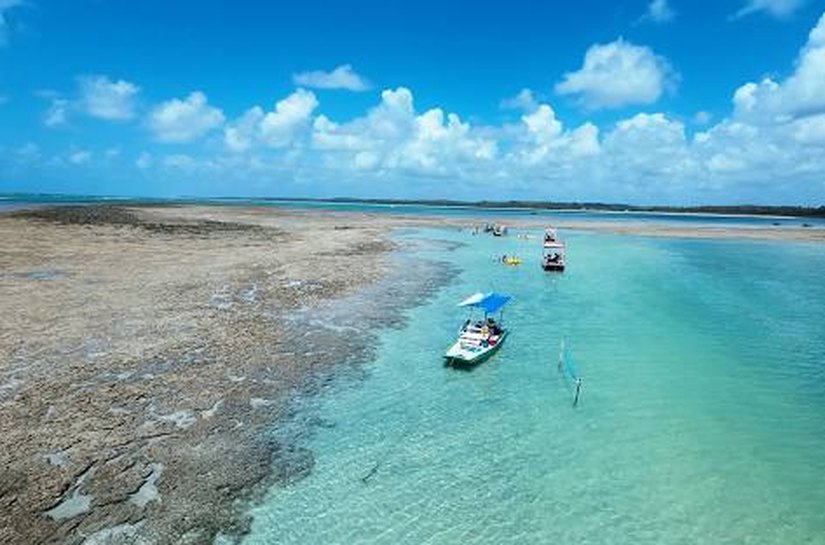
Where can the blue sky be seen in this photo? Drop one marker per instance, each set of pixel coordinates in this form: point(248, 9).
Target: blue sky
point(662, 101)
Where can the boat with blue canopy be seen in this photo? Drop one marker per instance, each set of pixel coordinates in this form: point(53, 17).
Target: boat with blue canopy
point(479, 339)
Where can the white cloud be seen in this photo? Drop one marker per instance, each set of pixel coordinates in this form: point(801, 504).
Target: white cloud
point(525, 100)
point(278, 128)
point(106, 99)
point(542, 124)
point(654, 133)
point(393, 137)
point(618, 74)
point(241, 134)
point(777, 8)
point(802, 93)
point(57, 114)
point(769, 148)
point(80, 157)
point(659, 11)
point(5, 7)
point(702, 117)
point(542, 140)
point(342, 77)
point(98, 96)
point(144, 161)
point(184, 120)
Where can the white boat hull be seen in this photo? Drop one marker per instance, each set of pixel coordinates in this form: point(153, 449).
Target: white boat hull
point(462, 352)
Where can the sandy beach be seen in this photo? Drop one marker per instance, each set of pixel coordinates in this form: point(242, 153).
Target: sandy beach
point(145, 351)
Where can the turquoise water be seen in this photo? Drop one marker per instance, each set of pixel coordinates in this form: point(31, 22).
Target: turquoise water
point(701, 419)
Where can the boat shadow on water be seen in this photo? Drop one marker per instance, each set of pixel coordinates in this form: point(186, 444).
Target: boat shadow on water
point(467, 366)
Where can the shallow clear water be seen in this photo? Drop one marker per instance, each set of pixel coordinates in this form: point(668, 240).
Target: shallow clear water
point(701, 420)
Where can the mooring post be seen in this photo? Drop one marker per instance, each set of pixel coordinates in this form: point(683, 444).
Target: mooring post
point(561, 356)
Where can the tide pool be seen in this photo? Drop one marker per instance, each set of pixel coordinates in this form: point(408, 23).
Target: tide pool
point(701, 418)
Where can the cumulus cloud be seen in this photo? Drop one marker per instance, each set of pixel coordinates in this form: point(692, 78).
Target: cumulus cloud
point(342, 77)
point(776, 132)
point(177, 120)
point(802, 93)
point(618, 74)
point(644, 157)
point(241, 134)
point(393, 136)
point(652, 140)
point(97, 96)
point(5, 7)
point(769, 148)
point(525, 100)
point(547, 133)
point(659, 11)
point(278, 128)
point(776, 8)
point(106, 99)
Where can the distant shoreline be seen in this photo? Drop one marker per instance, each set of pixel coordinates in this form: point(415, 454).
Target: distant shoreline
point(743, 210)
point(779, 211)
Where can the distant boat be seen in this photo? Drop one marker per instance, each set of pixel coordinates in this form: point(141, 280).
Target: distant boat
point(479, 339)
point(499, 230)
point(553, 254)
point(511, 260)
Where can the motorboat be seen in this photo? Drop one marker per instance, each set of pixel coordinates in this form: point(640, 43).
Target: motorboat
point(478, 339)
point(553, 254)
point(499, 230)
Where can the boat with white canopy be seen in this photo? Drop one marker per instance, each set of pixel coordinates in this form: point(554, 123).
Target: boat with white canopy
point(552, 258)
point(479, 339)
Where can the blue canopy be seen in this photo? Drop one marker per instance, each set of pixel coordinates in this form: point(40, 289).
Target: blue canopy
point(489, 302)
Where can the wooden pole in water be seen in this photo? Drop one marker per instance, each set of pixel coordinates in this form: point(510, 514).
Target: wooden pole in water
point(561, 356)
point(578, 390)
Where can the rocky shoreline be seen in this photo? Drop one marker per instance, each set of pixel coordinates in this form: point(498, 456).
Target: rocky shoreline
point(145, 352)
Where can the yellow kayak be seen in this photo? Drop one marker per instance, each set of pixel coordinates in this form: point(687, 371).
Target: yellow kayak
point(511, 260)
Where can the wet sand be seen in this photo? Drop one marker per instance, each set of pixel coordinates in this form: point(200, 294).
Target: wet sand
point(652, 228)
point(144, 352)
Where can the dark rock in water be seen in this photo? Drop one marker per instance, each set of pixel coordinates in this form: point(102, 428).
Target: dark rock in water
point(294, 463)
point(120, 216)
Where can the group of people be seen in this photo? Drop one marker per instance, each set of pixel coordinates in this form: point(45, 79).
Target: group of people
point(487, 327)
